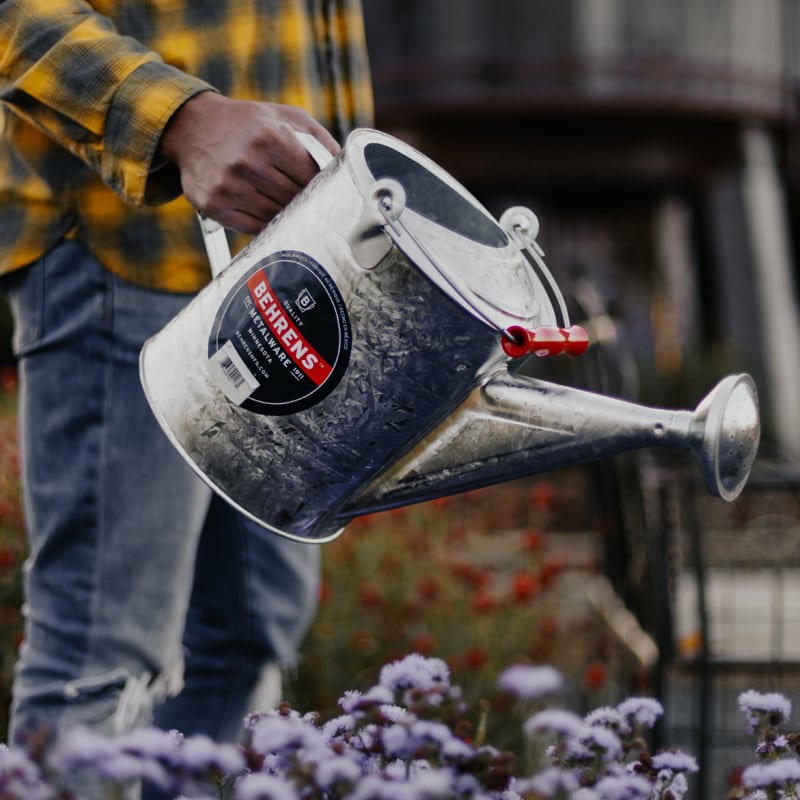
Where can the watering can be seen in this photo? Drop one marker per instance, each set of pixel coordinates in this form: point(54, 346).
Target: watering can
point(359, 355)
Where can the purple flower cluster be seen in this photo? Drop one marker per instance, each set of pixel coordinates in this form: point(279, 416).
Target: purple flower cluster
point(398, 741)
point(764, 710)
point(188, 765)
point(529, 682)
point(602, 756)
point(21, 777)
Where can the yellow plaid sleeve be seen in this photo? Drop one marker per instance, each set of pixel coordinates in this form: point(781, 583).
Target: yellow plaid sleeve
point(104, 97)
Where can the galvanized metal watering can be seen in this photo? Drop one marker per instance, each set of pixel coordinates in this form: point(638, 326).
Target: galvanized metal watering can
point(354, 357)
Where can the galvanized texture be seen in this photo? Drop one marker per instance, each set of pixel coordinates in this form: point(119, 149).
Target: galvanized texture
point(426, 405)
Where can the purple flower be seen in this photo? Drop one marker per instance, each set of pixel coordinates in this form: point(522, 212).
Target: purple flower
point(643, 712)
point(624, 787)
point(570, 751)
point(274, 733)
point(353, 701)
point(338, 726)
point(431, 783)
point(456, 750)
point(81, 748)
point(772, 774)
point(21, 778)
point(152, 743)
point(529, 682)
point(603, 741)
point(607, 717)
point(772, 707)
point(397, 714)
point(548, 783)
point(122, 768)
point(112, 759)
point(675, 784)
point(200, 752)
point(586, 793)
point(336, 769)
point(674, 761)
point(395, 741)
point(433, 732)
point(415, 672)
point(555, 720)
point(258, 786)
point(376, 787)
point(465, 785)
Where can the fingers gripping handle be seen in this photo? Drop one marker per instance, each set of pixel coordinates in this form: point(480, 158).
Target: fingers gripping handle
point(214, 237)
point(315, 149)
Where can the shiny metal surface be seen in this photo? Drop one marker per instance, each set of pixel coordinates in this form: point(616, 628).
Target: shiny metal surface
point(513, 426)
point(426, 405)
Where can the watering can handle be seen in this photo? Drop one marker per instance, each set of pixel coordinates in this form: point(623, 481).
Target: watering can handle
point(216, 242)
point(214, 238)
point(315, 148)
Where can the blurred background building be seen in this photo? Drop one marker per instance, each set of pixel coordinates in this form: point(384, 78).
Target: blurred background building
point(657, 141)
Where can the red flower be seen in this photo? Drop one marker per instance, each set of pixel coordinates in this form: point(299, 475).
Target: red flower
point(363, 522)
point(542, 494)
point(8, 379)
point(457, 531)
point(441, 502)
point(476, 657)
point(324, 592)
point(9, 615)
point(370, 595)
point(428, 587)
point(595, 675)
point(500, 519)
point(553, 566)
point(6, 509)
point(7, 558)
point(548, 627)
point(525, 586)
point(532, 540)
point(483, 601)
point(364, 643)
point(423, 643)
point(475, 577)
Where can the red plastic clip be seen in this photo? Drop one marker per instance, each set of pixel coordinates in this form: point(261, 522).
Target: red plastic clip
point(545, 340)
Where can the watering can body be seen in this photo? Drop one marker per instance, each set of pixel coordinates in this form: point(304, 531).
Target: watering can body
point(355, 357)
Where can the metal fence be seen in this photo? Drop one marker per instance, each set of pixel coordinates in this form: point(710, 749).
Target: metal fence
point(731, 574)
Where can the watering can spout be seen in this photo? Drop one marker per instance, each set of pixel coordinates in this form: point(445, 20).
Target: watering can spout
point(513, 426)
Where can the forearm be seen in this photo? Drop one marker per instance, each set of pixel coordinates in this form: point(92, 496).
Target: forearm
point(102, 96)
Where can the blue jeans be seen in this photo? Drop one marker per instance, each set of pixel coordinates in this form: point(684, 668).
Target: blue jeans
point(136, 568)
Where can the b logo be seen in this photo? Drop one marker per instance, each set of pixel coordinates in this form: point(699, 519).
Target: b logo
point(305, 301)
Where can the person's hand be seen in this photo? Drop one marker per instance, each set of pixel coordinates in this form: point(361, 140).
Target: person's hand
point(240, 162)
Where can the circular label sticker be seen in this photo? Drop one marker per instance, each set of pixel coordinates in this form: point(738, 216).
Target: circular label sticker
point(281, 339)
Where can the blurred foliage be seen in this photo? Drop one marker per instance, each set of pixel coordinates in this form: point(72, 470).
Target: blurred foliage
point(12, 541)
point(481, 580)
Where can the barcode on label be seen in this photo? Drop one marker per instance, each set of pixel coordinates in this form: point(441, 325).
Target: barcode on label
point(232, 371)
point(231, 374)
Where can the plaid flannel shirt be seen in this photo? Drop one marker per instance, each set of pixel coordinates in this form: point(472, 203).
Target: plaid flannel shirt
point(86, 89)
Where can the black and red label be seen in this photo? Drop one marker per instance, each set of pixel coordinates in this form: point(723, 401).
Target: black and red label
point(281, 339)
